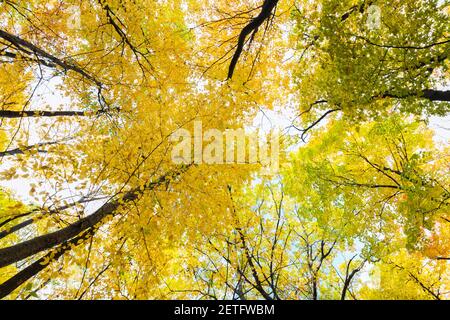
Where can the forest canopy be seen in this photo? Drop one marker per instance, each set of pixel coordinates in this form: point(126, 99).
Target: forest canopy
point(121, 175)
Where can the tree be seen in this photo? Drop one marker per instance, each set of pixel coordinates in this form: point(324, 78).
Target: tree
point(365, 70)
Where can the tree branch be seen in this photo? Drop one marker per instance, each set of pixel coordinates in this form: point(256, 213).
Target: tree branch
point(252, 27)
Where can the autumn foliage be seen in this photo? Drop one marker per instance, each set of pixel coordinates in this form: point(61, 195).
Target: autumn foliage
point(93, 205)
